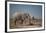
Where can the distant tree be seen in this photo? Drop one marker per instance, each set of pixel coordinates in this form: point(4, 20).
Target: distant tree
point(33, 17)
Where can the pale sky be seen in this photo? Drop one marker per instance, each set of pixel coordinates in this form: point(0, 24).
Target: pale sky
point(34, 10)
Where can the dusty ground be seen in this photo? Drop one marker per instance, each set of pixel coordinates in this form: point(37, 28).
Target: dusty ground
point(33, 25)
